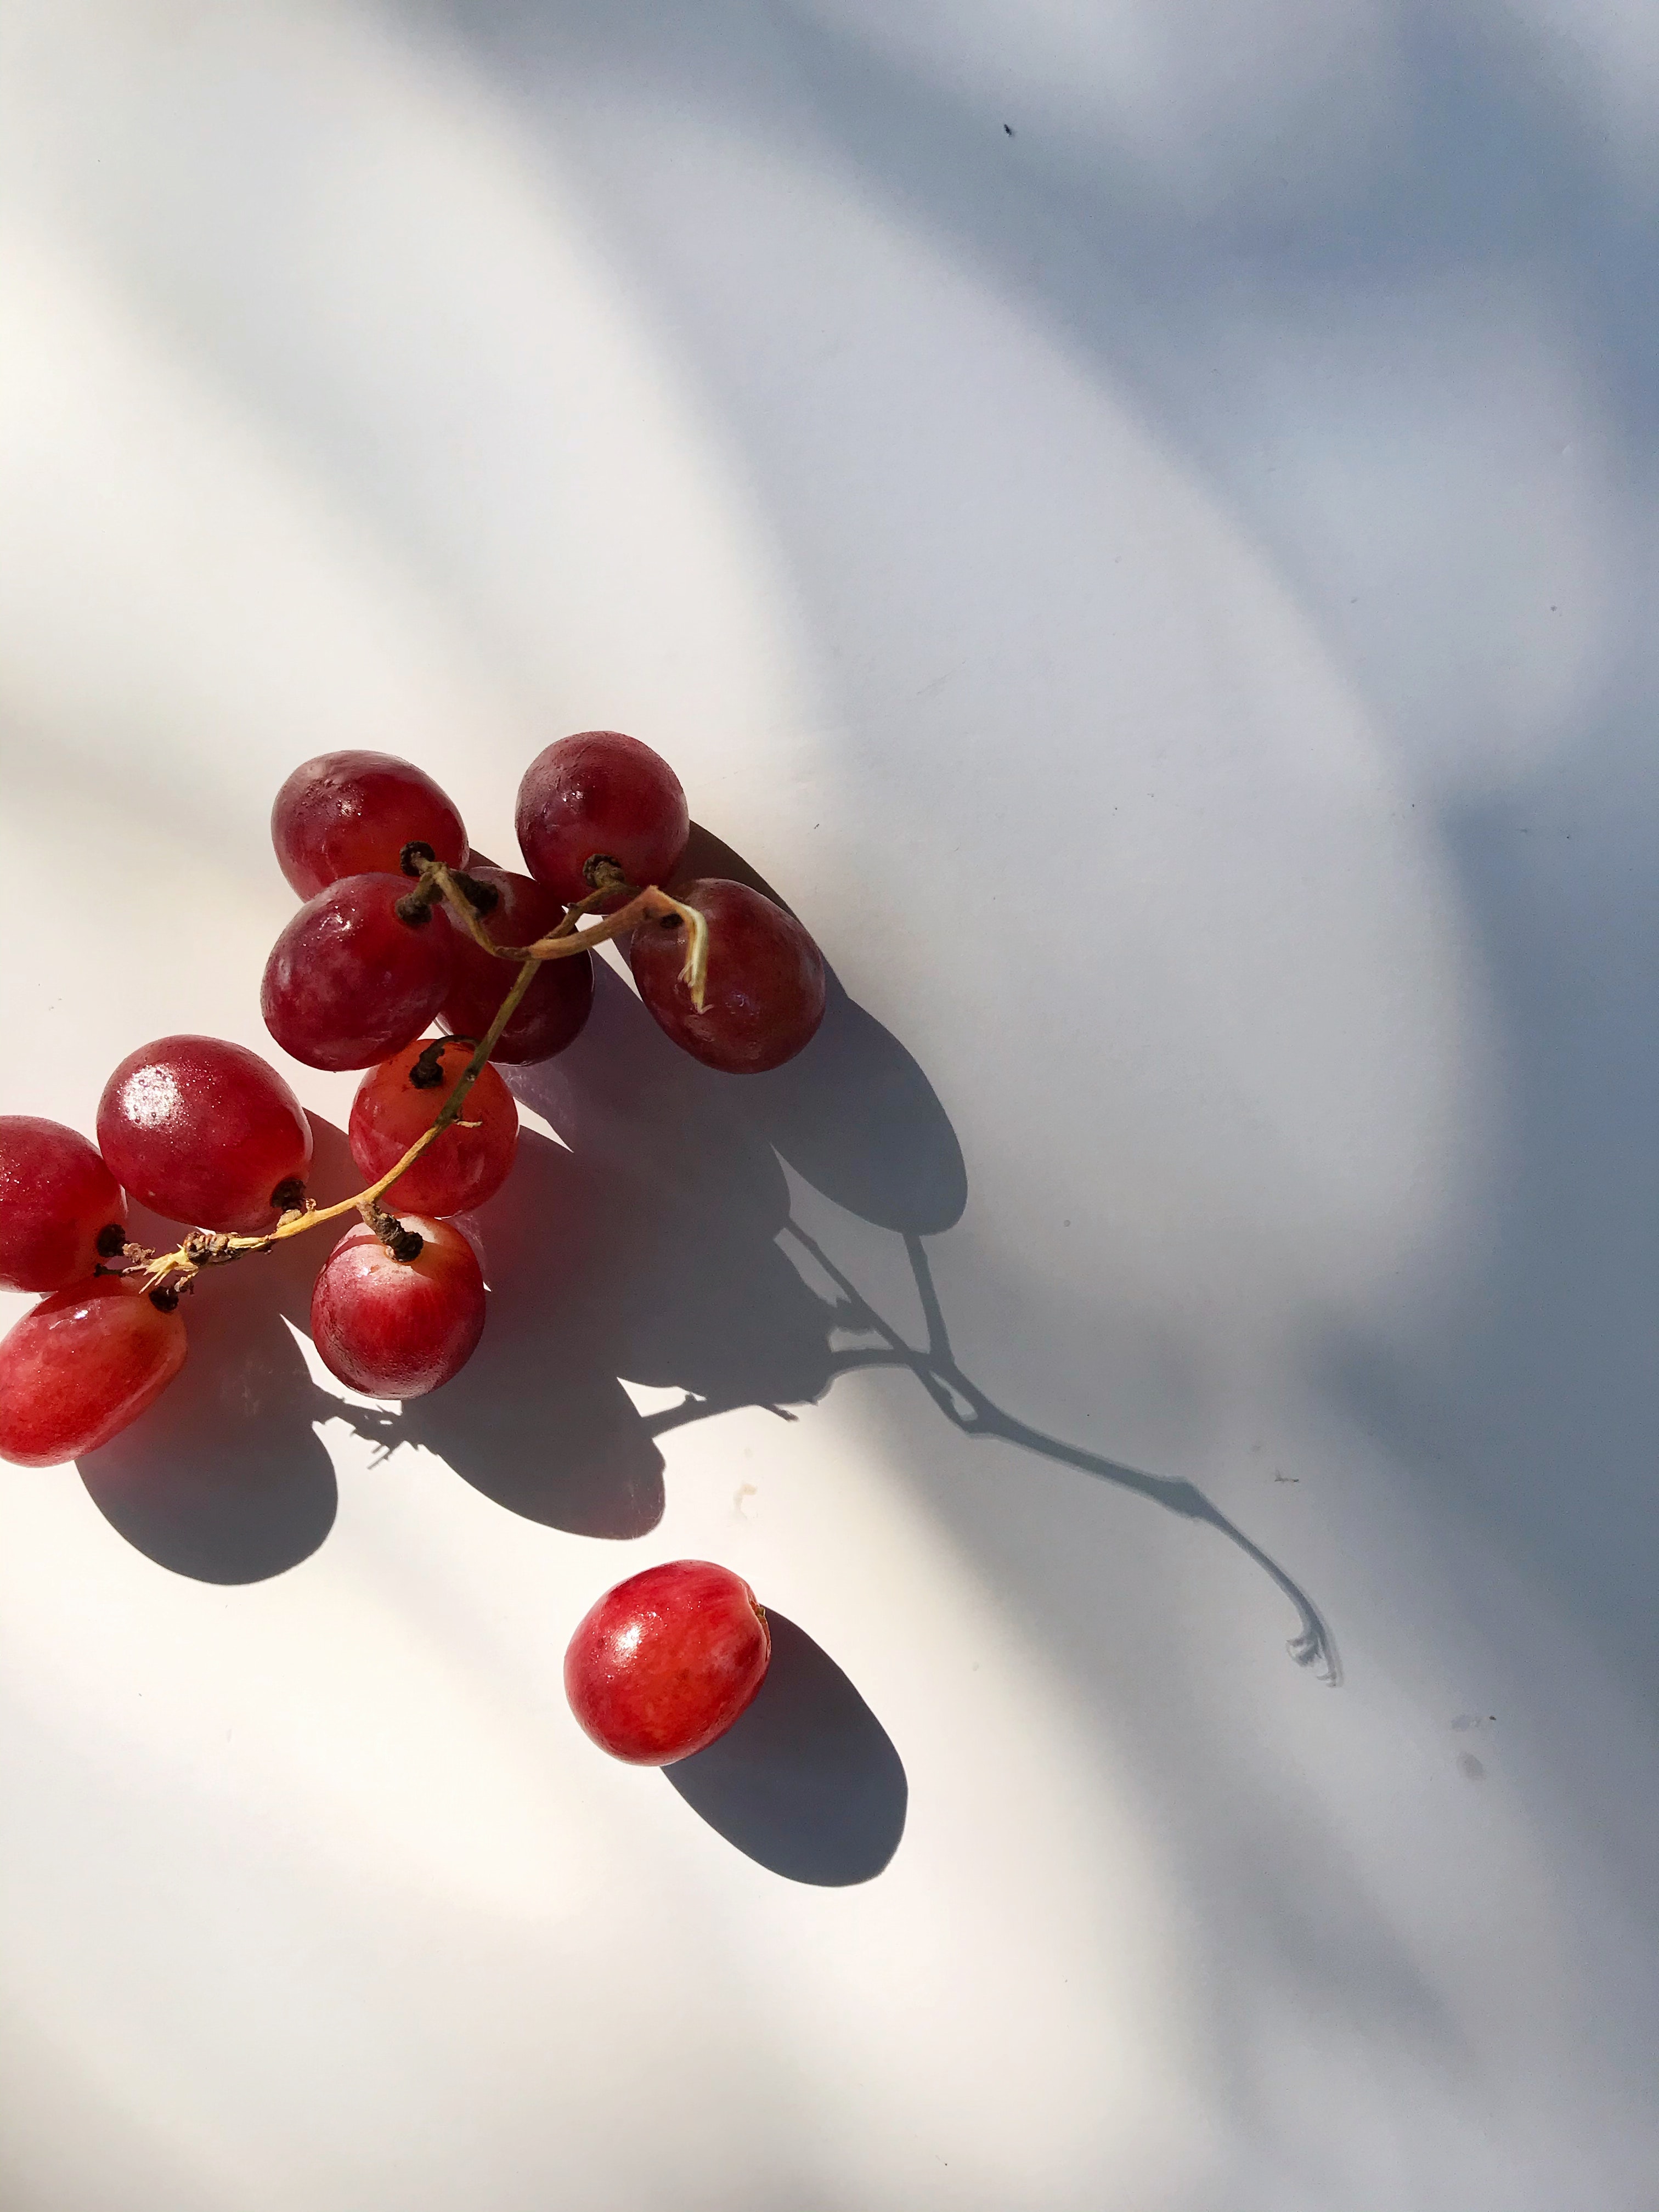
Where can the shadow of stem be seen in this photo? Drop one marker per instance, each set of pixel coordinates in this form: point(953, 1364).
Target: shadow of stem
point(967, 1409)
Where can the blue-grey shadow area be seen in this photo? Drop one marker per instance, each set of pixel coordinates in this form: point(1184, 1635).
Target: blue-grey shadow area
point(225, 1479)
point(807, 1782)
point(1531, 1408)
point(655, 1242)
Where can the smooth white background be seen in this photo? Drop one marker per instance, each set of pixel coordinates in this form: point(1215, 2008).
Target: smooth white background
point(1138, 519)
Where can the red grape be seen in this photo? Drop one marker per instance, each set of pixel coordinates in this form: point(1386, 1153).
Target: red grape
point(555, 1006)
point(402, 1096)
point(348, 981)
point(667, 1660)
point(764, 995)
point(600, 794)
point(56, 1199)
point(205, 1131)
point(351, 814)
point(397, 1328)
point(82, 1364)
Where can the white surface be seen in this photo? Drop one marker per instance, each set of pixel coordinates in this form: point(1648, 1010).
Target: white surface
point(1165, 595)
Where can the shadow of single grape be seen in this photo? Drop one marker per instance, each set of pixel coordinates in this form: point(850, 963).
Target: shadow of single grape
point(807, 1782)
point(854, 1114)
point(225, 1477)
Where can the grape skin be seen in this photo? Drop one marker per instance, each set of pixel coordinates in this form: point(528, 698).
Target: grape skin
point(600, 792)
point(55, 1196)
point(764, 995)
point(352, 813)
point(667, 1660)
point(553, 1010)
point(458, 1169)
point(348, 982)
point(396, 1328)
point(82, 1364)
point(204, 1131)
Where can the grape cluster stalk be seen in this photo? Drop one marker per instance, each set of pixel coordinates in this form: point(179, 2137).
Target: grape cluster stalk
point(403, 929)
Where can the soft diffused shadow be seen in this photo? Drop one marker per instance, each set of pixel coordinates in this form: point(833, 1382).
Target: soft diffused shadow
point(225, 1479)
point(807, 1782)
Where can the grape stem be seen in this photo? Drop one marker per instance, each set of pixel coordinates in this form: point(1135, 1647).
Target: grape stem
point(170, 1272)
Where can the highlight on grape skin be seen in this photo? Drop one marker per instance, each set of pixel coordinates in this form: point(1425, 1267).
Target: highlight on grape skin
point(667, 1660)
point(204, 1131)
point(763, 996)
point(396, 1101)
point(77, 1368)
point(60, 1207)
point(398, 1327)
point(349, 981)
point(352, 813)
point(600, 795)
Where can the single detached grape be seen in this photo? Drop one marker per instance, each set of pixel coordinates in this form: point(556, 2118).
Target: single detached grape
point(82, 1364)
point(61, 1210)
point(401, 1097)
point(397, 1328)
point(348, 981)
point(205, 1131)
point(555, 1006)
point(600, 794)
point(667, 1660)
point(763, 999)
point(351, 814)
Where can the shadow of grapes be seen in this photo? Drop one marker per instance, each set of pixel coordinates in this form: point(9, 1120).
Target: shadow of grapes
point(225, 1479)
point(653, 1243)
point(806, 1781)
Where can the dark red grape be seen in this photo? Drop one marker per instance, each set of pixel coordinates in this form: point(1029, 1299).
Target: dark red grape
point(351, 814)
point(600, 794)
point(348, 981)
point(553, 1009)
point(57, 1197)
point(397, 1328)
point(400, 1099)
point(82, 1364)
point(205, 1131)
point(764, 996)
point(667, 1660)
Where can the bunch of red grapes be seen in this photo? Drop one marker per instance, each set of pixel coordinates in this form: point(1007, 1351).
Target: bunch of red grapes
point(424, 965)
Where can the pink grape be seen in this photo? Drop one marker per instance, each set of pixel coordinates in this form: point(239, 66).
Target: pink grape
point(82, 1364)
point(397, 1328)
point(352, 813)
point(348, 981)
point(401, 1097)
point(205, 1131)
point(553, 1008)
point(667, 1660)
point(600, 794)
point(764, 995)
point(61, 1210)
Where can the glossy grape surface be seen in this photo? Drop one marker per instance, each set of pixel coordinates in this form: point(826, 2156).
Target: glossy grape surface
point(56, 1195)
point(397, 1328)
point(348, 982)
point(553, 1008)
point(765, 991)
point(82, 1364)
point(205, 1131)
point(458, 1169)
point(667, 1660)
point(600, 792)
point(352, 813)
